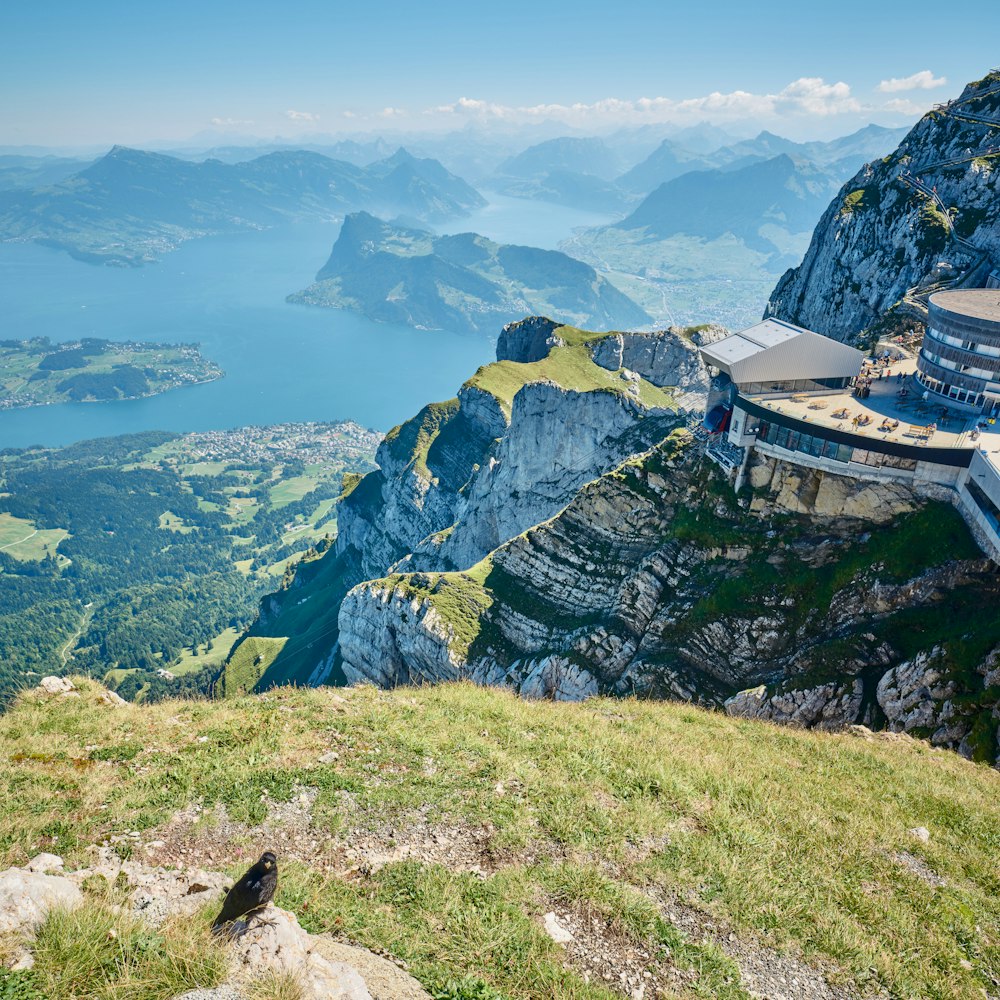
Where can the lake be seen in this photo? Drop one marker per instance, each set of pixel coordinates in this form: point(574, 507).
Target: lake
point(227, 293)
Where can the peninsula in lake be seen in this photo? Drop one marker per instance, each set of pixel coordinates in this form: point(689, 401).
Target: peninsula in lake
point(35, 372)
point(131, 206)
point(463, 283)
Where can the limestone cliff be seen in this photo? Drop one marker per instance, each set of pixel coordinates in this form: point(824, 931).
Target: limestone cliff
point(839, 601)
point(926, 215)
point(560, 407)
point(557, 529)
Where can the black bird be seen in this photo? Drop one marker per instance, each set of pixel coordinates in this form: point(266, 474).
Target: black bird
point(252, 893)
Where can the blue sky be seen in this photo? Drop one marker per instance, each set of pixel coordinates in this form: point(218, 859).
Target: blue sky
point(101, 72)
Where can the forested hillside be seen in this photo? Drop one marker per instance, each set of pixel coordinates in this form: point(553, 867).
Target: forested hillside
point(130, 556)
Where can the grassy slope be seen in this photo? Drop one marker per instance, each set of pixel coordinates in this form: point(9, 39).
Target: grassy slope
point(569, 366)
point(787, 834)
point(21, 539)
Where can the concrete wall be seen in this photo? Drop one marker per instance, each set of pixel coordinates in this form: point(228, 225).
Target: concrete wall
point(926, 474)
point(983, 532)
point(987, 476)
point(939, 482)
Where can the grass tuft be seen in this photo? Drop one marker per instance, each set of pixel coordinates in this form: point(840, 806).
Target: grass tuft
point(99, 952)
point(276, 986)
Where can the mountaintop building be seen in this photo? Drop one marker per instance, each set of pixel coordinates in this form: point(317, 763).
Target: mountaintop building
point(803, 398)
point(775, 356)
point(960, 357)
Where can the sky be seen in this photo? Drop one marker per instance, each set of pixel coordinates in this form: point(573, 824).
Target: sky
point(79, 74)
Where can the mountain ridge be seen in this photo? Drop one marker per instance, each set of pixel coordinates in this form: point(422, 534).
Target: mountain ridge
point(884, 240)
point(556, 530)
point(464, 282)
point(132, 205)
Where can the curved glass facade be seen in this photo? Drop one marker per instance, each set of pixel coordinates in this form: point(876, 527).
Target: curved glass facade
point(960, 357)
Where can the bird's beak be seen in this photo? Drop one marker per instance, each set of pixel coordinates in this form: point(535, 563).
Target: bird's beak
point(267, 864)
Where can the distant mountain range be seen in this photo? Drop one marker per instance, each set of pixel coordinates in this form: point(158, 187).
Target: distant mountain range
point(744, 202)
point(582, 172)
point(131, 206)
point(34, 171)
point(465, 283)
point(706, 242)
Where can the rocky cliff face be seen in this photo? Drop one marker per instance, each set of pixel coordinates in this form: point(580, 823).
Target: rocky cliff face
point(556, 529)
point(818, 601)
point(887, 230)
point(558, 409)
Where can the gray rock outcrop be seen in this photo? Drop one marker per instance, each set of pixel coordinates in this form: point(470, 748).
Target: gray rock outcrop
point(632, 589)
point(528, 340)
point(881, 237)
point(27, 896)
point(667, 357)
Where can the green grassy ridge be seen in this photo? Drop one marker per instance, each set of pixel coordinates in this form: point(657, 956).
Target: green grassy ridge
point(462, 599)
point(568, 365)
point(410, 441)
point(784, 834)
point(441, 444)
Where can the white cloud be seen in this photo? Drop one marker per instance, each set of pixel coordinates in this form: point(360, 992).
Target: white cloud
point(391, 112)
point(806, 96)
point(924, 80)
point(302, 116)
point(904, 106)
point(348, 114)
point(813, 96)
point(223, 122)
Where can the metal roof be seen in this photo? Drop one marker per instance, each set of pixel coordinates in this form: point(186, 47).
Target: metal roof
point(976, 303)
point(776, 351)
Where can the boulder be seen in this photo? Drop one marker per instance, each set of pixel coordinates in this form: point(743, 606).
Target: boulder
point(26, 898)
point(384, 980)
point(55, 685)
point(45, 863)
point(276, 942)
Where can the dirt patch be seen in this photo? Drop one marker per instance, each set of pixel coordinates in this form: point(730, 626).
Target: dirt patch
point(197, 835)
point(600, 953)
point(368, 845)
point(764, 972)
point(920, 868)
point(363, 844)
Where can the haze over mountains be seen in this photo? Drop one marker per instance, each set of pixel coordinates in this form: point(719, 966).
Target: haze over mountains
point(574, 170)
point(706, 219)
point(130, 206)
